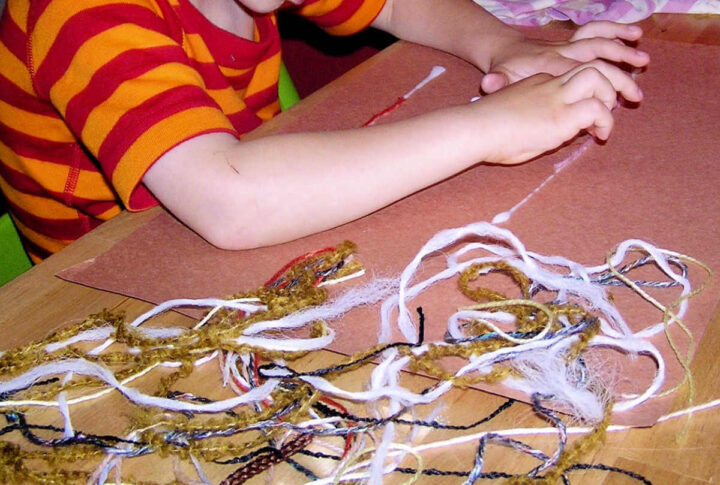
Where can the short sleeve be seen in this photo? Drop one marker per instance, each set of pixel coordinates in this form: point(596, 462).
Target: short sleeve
point(342, 17)
point(123, 83)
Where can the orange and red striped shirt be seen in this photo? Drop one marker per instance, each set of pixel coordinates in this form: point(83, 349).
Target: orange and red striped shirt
point(93, 92)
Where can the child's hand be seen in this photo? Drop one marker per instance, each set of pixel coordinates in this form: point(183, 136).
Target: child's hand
point(542, 112)
point(521, 57)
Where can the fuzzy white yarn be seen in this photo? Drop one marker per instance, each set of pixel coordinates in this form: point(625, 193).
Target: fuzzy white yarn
point(87, 368)
point(368, 294)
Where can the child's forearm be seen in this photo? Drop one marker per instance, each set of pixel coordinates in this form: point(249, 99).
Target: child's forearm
point(247, 194)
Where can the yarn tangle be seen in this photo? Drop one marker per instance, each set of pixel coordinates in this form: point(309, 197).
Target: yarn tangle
point(271, 407)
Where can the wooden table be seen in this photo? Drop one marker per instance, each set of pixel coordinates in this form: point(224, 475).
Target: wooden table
point(37, 303)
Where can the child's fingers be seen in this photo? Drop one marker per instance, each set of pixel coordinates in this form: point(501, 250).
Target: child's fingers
point(494, 81)
point(608, 30)
point(593, 116)
point(586, 50)
point(620, 80)
point(589, 83)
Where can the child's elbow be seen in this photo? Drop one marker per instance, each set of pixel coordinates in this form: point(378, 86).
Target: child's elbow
point(232, 236)
point(250, 233)
point(246, 221)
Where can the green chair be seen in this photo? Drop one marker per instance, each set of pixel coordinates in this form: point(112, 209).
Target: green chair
point(13, 259)
point(287, 93)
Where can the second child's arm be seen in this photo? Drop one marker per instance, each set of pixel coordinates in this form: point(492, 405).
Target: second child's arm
point(466, 30)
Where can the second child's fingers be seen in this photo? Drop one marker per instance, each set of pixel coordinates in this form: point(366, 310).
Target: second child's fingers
point(589, 83)
point(608, 30)
point(586, 50)
point(620, 80)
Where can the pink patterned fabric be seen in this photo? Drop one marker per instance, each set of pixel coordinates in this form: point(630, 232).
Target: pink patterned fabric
point(540, 12)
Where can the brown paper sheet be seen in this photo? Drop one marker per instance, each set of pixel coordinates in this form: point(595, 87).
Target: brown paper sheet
point(656, 179)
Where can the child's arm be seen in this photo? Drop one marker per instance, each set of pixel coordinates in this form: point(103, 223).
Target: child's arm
point(462, 28)
point(247, 194)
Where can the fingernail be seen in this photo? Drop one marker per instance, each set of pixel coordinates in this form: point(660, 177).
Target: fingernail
point(641, 53)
